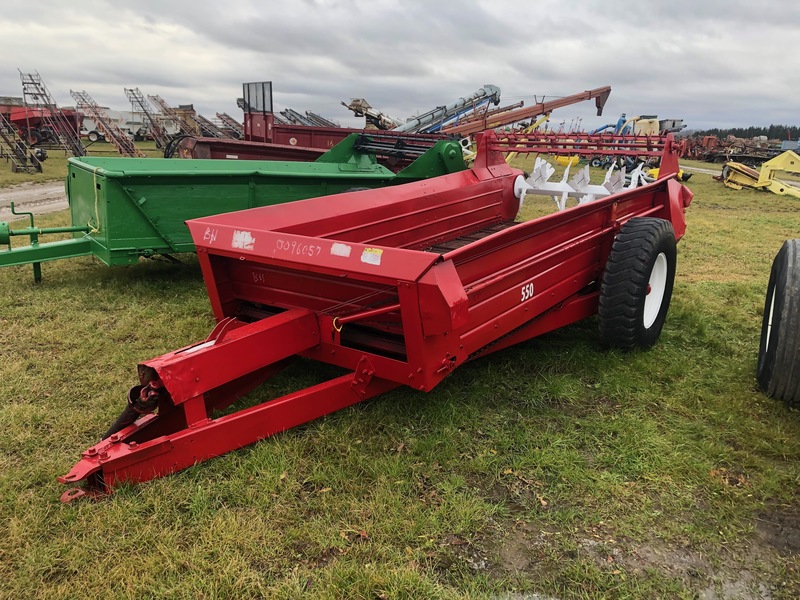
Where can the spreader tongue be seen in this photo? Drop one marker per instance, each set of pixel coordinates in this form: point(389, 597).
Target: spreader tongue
point(164, 430)
point(86, 470)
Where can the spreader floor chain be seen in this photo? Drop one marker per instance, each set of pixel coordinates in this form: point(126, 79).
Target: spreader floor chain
point(397, 286)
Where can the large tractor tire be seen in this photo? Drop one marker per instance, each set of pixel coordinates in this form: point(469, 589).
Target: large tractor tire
point(778, 370)
point(637, 284)
point(33, 137)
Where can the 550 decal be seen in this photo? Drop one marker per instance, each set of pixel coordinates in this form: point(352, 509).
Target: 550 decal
point(527, 292)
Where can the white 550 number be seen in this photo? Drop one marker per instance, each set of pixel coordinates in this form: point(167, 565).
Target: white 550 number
point(527, 292)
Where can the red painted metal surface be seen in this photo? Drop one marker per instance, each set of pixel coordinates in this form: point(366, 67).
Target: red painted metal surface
point(321, 138)
point(583, 144)
point(261, 127)
point(24, 117)
point(399, 286)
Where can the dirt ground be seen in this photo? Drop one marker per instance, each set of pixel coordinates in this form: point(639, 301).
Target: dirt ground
point(38, 198)
point(746, 573)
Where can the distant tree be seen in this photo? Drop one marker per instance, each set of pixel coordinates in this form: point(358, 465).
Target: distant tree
point(779, 132)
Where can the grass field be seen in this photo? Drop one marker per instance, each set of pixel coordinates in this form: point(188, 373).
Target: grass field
point(55, 166)
point(552, 468)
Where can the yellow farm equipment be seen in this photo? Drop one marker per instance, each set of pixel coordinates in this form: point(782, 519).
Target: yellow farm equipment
point(737, 175)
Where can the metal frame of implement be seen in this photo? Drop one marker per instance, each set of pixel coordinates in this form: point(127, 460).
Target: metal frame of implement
point(399, 286)
point(583, 144)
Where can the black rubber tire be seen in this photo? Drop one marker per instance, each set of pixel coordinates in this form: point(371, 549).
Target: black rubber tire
point(33, 137)
point(596, 163)
point(639, 245)
point(778, 369)
point(93, 136)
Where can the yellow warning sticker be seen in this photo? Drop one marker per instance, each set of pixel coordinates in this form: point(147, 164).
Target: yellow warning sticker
point(371, 256)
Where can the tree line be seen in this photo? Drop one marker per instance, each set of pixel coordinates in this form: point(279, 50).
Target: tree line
point(779, 132)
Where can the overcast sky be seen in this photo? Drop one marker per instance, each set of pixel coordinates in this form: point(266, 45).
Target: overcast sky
point(714, 63)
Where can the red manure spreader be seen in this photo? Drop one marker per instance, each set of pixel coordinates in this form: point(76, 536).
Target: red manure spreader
point(398, 286)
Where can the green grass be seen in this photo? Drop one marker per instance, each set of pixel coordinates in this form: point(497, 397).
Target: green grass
point(553, 467)
point(55, 167)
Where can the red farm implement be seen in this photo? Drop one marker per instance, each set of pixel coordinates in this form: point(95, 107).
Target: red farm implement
point(43, 125)
point(584, 144)
point(399, 286)
point(393, 150)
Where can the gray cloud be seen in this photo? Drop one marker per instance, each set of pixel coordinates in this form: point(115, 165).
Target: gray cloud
point(713, 63)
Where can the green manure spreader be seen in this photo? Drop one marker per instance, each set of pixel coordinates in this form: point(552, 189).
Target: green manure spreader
point(122, 209)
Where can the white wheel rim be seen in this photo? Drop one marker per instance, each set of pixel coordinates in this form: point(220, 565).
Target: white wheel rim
point(655, 290)
point(769, 321)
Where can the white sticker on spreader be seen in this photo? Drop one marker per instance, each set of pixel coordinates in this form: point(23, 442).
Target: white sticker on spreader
point(341, 250)
point(243, 240)
point(371, 256)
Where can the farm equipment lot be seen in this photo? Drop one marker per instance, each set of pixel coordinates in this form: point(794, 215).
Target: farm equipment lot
point(552, 467)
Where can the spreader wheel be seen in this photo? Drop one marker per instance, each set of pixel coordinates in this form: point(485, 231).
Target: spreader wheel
point(778, 370)
point(637, 284)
